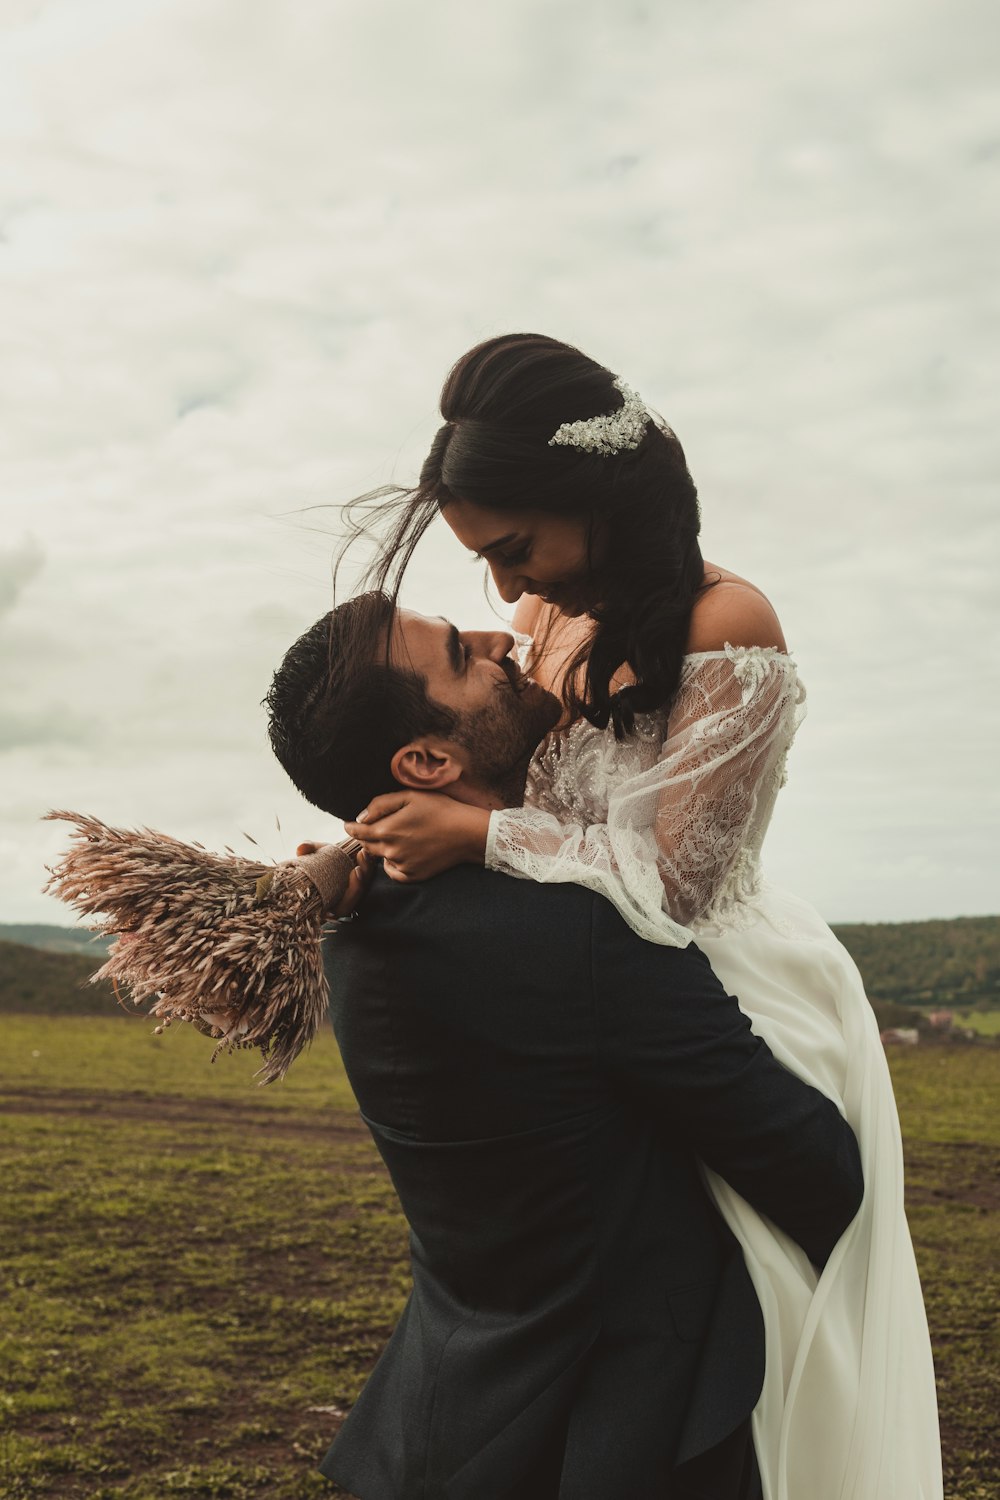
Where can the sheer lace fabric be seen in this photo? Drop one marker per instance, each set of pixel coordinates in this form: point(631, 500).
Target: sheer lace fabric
point(668, 823)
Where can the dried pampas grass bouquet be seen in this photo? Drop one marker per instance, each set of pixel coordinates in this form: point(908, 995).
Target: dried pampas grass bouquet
point(229, 944)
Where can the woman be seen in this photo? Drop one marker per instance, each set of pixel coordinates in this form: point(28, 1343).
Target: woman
point(656, 790)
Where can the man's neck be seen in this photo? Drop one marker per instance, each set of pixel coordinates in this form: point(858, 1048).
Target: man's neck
point(509, 793)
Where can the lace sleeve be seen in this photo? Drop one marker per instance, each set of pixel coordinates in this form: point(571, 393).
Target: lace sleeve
point(660, 839)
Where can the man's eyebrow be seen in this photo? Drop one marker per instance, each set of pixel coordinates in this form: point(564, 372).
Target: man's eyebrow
point(501, 541)
point(456, 655)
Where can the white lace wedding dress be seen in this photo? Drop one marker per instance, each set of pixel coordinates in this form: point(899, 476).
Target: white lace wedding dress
point(668, 825)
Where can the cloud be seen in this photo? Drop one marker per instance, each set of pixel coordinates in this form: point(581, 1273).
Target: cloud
point(41, 729)
point(18, 566)
point(234, 300)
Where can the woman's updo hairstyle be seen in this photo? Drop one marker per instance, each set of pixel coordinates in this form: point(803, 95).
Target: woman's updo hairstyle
point(501, 403)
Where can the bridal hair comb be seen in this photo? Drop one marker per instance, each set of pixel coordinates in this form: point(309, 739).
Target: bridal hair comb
point(621, 429)
point(229, 944)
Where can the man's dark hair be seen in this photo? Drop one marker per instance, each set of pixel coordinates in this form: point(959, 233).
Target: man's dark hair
point(338, 711)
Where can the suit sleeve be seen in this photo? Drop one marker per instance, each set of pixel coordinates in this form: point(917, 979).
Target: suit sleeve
point(682, 1050)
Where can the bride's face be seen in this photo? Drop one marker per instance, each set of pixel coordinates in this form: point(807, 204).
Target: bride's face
point(528, 552)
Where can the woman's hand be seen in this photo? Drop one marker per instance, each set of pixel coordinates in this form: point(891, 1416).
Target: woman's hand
point(419, 834)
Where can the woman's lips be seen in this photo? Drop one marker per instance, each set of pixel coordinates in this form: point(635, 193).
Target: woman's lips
point(565, 597)
point(566, 603)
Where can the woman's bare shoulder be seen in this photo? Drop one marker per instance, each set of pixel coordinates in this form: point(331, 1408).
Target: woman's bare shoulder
point(526, 614)
point(732, 612)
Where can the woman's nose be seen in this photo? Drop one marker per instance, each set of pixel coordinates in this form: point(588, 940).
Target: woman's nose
point(509, 585)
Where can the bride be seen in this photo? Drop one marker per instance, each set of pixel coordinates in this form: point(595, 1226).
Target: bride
point(680, 704)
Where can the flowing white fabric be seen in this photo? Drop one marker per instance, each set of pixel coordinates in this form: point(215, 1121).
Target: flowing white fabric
point(668, 825)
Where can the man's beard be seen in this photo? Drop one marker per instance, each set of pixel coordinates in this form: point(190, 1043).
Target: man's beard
point(502, 737)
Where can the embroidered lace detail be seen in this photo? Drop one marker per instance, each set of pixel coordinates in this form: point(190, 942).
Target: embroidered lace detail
point(667, 824)
point(523, 647)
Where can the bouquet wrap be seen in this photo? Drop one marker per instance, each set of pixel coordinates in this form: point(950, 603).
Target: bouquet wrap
point(229, 944)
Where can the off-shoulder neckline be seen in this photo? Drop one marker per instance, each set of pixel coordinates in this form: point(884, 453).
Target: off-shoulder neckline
point(523, 639)
point(728, 649)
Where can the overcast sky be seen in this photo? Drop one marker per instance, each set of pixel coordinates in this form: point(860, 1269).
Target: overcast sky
point(241, 242)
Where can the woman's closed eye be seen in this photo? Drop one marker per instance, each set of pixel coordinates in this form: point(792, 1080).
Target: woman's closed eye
point(505, 559)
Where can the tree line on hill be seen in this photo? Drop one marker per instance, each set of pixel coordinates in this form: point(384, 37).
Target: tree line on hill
point(42, 981)
point(952, 964)
point(54, 939)
point(908, 967)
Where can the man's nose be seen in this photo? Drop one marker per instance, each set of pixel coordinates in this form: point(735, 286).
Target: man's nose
point(496, 644)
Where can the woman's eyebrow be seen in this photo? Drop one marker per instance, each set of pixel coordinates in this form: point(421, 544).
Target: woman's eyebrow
point(501, 541)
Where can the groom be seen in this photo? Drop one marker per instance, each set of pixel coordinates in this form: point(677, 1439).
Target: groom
point(541, 1084)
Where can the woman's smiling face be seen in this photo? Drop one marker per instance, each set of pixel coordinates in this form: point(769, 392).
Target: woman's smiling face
point(528, 552)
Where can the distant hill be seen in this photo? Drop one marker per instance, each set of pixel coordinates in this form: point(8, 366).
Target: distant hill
point(53, 939)
point(952, 963)
point(42, 982)
point(941, 963)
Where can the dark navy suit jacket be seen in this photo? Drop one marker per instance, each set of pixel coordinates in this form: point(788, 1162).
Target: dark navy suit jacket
point(539, 1082)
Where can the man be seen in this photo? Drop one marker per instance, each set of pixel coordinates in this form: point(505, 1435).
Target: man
point(541, 1084)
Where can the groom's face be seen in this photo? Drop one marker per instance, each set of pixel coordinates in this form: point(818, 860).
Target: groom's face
point(503, 714)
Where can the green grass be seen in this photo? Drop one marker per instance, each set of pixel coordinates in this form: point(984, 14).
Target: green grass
point(951, 1127)
point(120, 1053)
point(947, 1093)
point(985, 1022)
point(194, 1265)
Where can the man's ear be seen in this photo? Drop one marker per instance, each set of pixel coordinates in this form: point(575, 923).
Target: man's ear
point(425, 766)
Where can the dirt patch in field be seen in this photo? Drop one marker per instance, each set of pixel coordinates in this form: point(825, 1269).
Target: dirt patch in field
point(958, 1172)
point(158, 1109)
point(278, 1341)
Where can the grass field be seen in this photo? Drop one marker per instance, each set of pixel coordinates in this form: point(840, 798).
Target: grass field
point(985, 1022)
point(198, 1274)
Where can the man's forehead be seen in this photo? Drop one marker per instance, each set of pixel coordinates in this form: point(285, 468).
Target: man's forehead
point(413, 626)
point(413, 632)
point(412, 615)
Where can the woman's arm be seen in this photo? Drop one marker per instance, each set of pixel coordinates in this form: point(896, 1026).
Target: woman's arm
point(673, 832)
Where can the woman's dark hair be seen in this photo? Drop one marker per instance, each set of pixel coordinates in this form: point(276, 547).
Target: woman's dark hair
point(501, 404)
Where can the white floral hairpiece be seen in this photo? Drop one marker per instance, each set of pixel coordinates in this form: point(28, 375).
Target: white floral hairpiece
point(621, 429)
